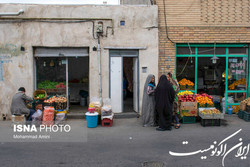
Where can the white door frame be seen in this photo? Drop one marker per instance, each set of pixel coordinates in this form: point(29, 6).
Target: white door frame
point(125, 53)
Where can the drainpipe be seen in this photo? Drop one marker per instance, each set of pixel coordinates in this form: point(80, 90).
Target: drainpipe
point(21, 11)
point(99, 67)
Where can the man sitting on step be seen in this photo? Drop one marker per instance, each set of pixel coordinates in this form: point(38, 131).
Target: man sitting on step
point(18, 105)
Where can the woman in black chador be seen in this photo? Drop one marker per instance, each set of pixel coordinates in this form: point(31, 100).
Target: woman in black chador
point(164, 98)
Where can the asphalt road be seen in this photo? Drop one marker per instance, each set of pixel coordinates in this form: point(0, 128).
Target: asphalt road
point(128, 144)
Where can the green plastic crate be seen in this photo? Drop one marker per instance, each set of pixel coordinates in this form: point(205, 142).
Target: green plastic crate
point(246, 116)
point(188, 120)
point(240, 114)
point(210, 122)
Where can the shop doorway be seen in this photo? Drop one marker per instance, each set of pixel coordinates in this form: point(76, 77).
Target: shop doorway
point(124, 75)
point(78, 74)
point(63, 72)
point(129, 79)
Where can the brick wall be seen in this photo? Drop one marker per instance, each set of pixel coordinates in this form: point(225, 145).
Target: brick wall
point(200, 21)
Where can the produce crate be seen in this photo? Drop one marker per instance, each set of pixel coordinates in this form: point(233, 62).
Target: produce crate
point(246, 116)
point(188, 120)
point(40, 92)
point(240, 114)
point(210, 122)
point(188, 109)
point(219, 116)
point(210, 116)
point(60, 106)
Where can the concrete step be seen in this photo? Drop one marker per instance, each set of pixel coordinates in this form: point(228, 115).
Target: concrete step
point(117, 116)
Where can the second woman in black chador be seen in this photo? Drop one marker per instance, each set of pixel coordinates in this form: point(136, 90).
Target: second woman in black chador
point(164, 98)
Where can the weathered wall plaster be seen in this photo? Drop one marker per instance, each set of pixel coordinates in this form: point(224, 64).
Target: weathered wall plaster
point(29, 34)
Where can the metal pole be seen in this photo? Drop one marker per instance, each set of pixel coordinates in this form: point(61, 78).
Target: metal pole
point(196, 70)
point(67, 82)
point(99, 67)
point(226, 81)
point(35, 74)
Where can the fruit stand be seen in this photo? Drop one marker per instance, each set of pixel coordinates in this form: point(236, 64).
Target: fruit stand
point(199, 105)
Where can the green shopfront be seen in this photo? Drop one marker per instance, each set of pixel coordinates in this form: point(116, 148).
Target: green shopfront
point(220, 70)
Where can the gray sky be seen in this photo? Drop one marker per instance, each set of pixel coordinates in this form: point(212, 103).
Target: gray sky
point(109, 2)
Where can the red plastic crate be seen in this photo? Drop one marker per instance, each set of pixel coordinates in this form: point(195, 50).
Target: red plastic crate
point(107, 122)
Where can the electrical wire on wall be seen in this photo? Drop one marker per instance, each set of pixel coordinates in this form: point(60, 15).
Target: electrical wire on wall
point(191, 53)
point(52, 20)
point(187, 60)
point(165, 18)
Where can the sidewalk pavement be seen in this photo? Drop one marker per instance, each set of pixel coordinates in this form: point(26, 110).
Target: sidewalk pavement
point(128, 144)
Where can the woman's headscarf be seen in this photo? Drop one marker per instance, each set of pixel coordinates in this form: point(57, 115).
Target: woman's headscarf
point(164, 93)
point(148, 81)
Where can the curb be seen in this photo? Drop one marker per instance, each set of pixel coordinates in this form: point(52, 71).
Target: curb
point(116, 116)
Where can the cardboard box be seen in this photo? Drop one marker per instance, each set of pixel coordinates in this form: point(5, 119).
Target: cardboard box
point(188, 109)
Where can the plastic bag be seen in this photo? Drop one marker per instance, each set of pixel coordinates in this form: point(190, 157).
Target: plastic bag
point(60, 119)
point(48, 116)
point(229, 100)
point(37, 118)
point(96, 102)
point(106, 109)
